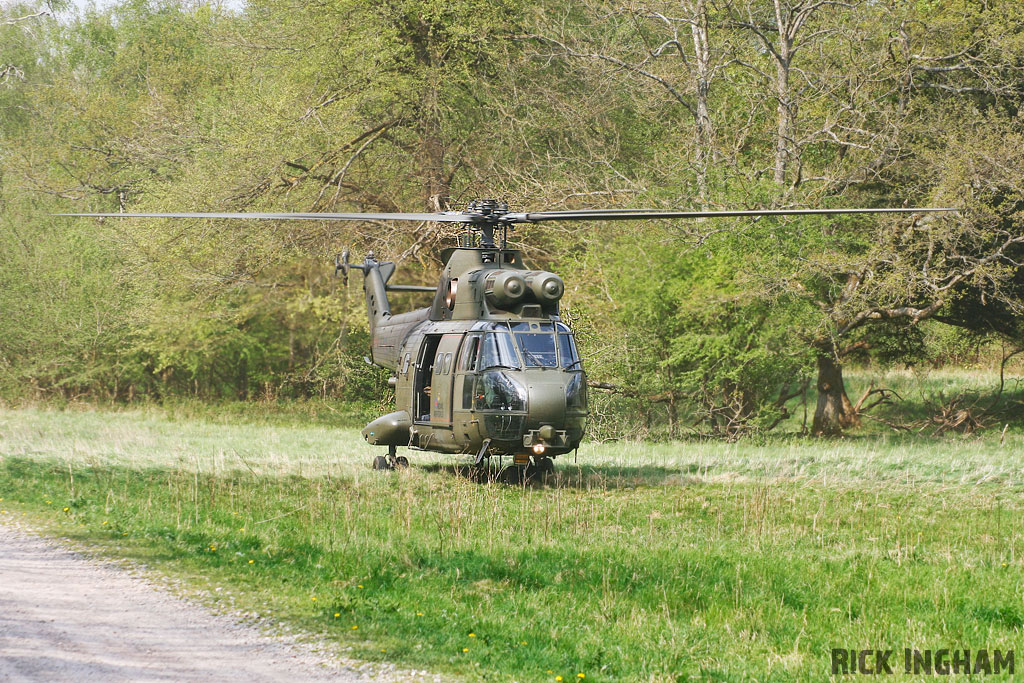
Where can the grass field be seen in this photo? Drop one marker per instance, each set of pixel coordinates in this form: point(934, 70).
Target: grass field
point(639, 562)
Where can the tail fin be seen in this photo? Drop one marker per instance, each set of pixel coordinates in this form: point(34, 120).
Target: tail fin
point(375, 280)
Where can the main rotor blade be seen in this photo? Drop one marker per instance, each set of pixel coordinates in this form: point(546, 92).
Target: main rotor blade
point(436, 217)
point(639, 214)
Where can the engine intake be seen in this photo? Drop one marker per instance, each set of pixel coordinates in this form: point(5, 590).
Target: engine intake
point(547, 288)
point(504, 288)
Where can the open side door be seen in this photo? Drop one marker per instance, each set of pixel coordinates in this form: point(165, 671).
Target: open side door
point(443, 380)
point(425, 371)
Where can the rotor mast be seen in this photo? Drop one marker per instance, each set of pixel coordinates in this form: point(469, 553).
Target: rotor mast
point(488, 215)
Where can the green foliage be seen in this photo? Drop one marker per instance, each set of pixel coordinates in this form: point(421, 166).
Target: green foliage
point(359, 105)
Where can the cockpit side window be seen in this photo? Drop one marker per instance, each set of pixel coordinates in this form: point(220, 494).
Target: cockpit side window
point(470, 349)
point(568, 356)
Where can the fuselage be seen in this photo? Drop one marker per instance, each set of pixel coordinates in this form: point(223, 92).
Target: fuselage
point(488, 367)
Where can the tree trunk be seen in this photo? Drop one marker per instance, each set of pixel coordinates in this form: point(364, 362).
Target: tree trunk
point(785, 113)
point(435, 183)
point(699, 30)
point(673, 416)
point(834, 412)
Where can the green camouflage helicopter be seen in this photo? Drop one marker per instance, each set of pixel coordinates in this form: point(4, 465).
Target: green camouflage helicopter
point(488, 368)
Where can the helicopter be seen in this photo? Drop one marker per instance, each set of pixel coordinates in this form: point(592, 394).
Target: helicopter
point(489, 368)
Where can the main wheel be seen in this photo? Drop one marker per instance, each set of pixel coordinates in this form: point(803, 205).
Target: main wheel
point(381, 463)
point(401, 461)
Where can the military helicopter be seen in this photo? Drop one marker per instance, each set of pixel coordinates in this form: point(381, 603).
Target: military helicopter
point(489, 368)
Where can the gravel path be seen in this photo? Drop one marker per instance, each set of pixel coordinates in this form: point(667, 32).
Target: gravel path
point(67, 617)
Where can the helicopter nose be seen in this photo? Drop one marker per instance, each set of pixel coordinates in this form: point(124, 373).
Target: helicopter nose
point(547, 406)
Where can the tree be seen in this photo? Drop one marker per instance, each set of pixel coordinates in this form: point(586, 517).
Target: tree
point(667, 47)
point(899, 272)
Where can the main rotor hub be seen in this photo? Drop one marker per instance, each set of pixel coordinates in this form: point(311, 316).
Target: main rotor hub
point(487, 214)
point(487, 208)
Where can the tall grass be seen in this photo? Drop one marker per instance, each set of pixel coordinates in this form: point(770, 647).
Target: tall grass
point(637, 562)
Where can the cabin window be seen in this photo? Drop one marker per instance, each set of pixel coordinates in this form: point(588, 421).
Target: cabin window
point(447, 363)
point(468, 384)
point(538, 349)
point(438, 363)
point(498, 351)
point(405, 365)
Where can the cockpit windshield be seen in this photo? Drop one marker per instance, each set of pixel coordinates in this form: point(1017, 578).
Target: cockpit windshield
point(498, 351)
point(538, 349)
point(536, 345)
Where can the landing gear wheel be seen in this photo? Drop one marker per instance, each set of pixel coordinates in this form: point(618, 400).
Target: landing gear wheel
point(402, 462)
point(515, 475)
point(540, 468)
point(391, 459)
point(381, 463)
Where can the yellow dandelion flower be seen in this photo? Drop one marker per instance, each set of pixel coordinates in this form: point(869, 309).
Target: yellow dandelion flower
point(49, 502)
point(213, 549)
point(313, 598)
point(383, 650)
point(465, 649)
point(522, 642)
point(354, 628)
point(419, 614)
point(558, 678)
point(360, 586)
point(251, 561)
point(580, 675)
point(472, 635)
point(105, 522)
point(337, 614)
point(66, 509)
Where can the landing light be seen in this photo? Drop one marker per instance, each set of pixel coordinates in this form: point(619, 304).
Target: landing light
point(538, 448)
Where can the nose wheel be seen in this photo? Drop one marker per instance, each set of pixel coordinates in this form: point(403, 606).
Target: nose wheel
point(540, 467)
point(391, 461)
point(544, 465)
point(537, 469)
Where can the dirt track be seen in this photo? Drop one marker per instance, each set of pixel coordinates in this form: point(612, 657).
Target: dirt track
point(67, 617)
